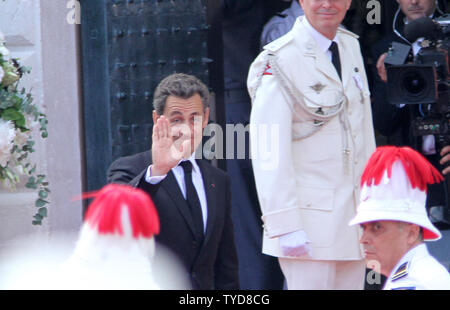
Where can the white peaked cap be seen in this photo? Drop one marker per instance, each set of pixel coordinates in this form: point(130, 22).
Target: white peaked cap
point(394, 187)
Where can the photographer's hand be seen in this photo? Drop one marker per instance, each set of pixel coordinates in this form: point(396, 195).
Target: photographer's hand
point(445, 153)
point(381, 67)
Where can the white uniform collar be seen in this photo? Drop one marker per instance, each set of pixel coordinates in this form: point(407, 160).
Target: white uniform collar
point(419, 250)
point(323, 42)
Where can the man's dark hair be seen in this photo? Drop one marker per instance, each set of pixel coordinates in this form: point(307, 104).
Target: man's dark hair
point(179, 85)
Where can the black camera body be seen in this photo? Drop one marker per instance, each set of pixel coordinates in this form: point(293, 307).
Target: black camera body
point(423, 79)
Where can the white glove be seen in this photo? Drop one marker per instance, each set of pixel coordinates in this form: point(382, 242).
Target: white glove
point(295, 244)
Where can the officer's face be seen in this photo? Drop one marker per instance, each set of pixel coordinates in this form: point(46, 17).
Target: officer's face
point(414, 9)
point(385, 243)
point(187, 119)
point(325, 15)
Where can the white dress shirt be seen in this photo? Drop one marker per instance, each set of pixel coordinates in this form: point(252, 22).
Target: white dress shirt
point(197, 180)
point(322, 41)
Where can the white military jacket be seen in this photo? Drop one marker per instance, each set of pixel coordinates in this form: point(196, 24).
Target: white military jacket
point(418, 270)
point(311, 136)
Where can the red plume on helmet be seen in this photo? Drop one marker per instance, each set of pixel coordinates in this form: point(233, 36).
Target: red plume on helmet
point(420, 172)
point(105, 211)
point(394, 187)
point(116, 244)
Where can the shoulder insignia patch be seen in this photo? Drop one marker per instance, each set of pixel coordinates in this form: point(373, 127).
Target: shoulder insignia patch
point(400, 272)
point(268, 70)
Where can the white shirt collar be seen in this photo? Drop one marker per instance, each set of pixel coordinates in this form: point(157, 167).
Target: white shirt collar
point(323, 42)
point(195, 167)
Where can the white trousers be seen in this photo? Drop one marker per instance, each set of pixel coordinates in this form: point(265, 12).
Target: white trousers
point(323, 275)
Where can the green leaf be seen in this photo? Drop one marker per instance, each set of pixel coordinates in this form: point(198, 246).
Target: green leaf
point(9, 174)
point(43, 212)
point(43, 194)
point(40, 203)
point(6, 99)
point(15, 116)
point(11, 114)
point(31, 180)
point(31, 185)
point(44, 134)
point(38, 217)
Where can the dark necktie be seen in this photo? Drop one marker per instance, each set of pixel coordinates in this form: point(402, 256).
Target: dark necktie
point(335, 57)
point(192, 199)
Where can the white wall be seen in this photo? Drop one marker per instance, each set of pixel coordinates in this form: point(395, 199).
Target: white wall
point(38, 33)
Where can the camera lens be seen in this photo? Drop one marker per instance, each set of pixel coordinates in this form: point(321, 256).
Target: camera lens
point(411, 84)
point(414, 83)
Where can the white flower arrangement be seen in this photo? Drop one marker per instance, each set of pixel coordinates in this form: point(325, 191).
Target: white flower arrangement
point(19, 116)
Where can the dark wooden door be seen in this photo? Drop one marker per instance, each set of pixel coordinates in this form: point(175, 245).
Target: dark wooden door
point(128, 46)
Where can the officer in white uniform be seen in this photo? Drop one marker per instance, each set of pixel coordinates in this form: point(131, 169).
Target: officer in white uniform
point(395, 224)
point(311, 134)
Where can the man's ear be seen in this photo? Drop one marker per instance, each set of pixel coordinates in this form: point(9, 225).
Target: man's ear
point(155, 116)
point(413, 233)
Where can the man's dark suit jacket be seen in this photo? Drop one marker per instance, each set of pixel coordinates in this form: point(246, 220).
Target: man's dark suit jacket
point(212, 264)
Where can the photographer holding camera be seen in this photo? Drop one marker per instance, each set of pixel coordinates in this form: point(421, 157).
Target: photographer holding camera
point(395, 120)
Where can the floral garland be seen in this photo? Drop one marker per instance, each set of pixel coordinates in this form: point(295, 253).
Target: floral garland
point(18, 117)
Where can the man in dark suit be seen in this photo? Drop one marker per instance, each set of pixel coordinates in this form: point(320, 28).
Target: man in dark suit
point(191, 196)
